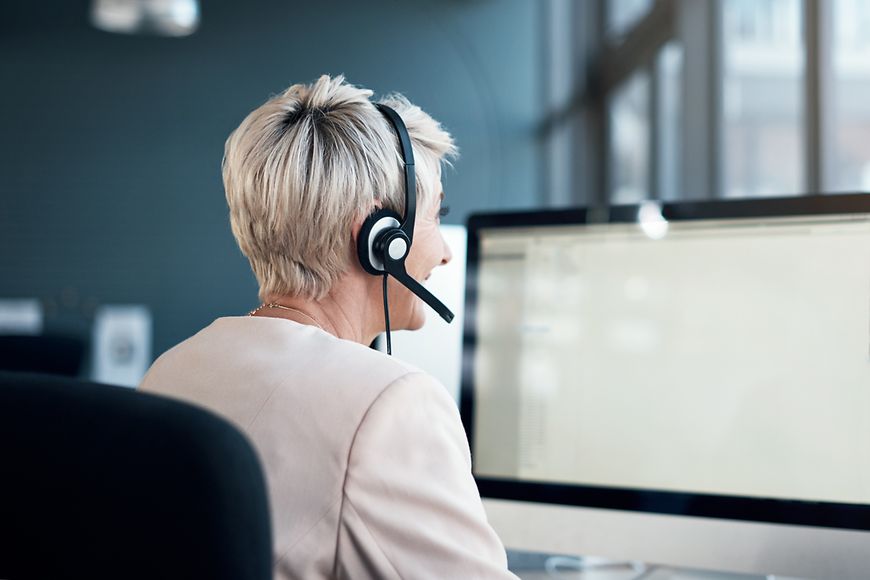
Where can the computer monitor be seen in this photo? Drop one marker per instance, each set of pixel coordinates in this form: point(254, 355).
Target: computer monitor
point(686, 384)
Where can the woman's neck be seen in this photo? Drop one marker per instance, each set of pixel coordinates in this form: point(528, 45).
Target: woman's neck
point(344, 313)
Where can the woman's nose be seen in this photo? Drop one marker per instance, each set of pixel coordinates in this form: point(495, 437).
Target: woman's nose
point(446, 254)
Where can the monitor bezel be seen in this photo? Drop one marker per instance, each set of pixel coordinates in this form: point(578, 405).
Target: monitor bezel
point(751, 509)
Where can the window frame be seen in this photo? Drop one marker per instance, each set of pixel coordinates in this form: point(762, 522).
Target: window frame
point(602, 64)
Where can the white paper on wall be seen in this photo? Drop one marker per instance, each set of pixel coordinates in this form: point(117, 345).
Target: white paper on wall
point(122, 344)
point(20, 316)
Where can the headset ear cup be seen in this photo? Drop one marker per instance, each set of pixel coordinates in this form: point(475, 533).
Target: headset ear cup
point(375, 225)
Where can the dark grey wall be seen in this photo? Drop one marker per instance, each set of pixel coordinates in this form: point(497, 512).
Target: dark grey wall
point(110, 188)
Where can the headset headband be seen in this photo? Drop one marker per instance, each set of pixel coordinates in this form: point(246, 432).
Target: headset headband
point(395, 120)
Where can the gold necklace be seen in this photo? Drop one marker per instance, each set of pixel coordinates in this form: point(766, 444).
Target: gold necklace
point(282, 307)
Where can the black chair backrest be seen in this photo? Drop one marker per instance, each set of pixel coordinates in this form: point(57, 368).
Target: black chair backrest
point(105, 482)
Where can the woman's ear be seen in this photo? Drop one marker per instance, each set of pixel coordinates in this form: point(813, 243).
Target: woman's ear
point(356, 226)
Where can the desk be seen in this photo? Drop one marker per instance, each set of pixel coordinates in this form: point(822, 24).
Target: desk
point(565, 568)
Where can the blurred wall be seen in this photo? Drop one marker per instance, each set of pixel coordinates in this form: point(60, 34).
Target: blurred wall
point(110, 187)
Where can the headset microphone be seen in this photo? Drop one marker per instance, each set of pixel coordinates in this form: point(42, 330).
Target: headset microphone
point(384, 241)
point(397, 270)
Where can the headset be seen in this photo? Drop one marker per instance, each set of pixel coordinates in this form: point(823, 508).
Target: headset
point(385, 238)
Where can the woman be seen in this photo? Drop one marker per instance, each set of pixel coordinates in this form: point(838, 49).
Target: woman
point(366, 460)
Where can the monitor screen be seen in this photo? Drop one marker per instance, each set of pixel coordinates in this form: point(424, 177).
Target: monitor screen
point(715, 364)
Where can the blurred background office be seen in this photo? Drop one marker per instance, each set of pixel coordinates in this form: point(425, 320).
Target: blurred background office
point(111, 191)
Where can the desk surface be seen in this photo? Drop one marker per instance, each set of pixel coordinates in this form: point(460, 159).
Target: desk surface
point(566, 568)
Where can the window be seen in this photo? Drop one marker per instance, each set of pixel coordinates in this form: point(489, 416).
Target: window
point(669, 73)
point(629, 140)
point(622, 15)
point(848, 167)
point(730, 98)
point(763, 98)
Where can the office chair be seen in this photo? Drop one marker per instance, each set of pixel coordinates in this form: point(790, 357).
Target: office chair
point(50, 354)
point(105, 482)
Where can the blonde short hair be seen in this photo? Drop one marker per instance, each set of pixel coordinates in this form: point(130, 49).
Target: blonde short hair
point(308, 163)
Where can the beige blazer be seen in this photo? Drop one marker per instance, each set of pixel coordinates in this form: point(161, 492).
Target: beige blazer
point(367, 463)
